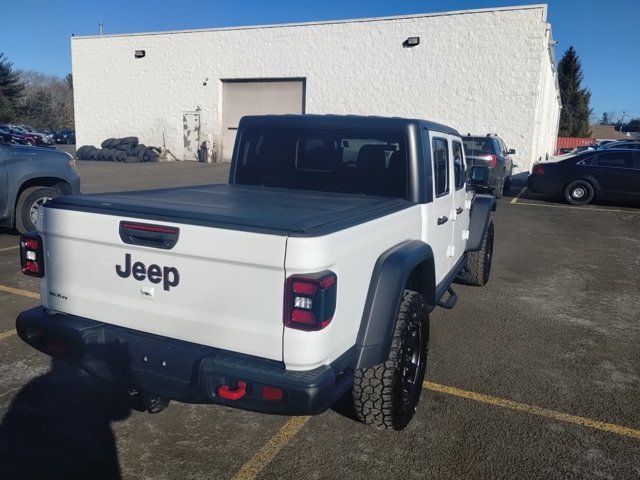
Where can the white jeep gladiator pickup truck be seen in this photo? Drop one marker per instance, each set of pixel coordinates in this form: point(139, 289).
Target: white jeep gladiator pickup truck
point(309, 276)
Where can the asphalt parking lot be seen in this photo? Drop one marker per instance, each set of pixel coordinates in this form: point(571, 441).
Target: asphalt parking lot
point(536, 375)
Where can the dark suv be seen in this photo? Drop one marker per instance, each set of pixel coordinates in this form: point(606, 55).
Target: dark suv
point(490, 151)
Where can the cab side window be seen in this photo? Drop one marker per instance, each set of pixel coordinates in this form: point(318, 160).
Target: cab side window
point(458, 165)
point(440, 157)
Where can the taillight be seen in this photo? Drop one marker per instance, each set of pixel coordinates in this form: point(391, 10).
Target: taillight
point(538, 169)
point(310, 300)
point(31, 255)
point(492, 160)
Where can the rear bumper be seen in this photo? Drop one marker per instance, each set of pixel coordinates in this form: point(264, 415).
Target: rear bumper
point(179, 370)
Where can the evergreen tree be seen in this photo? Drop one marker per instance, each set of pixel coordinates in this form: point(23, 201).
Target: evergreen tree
point(574, 117)
point(10, 90)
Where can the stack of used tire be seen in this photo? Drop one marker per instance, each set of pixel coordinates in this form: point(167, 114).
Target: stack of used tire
point(126, 150)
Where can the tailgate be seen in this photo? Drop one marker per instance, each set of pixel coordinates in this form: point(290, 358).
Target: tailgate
point(216, 287)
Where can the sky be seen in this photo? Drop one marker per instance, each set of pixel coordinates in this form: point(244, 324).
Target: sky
point(606, 33)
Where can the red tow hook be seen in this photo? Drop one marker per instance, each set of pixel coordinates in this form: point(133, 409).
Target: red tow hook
point(225, 391)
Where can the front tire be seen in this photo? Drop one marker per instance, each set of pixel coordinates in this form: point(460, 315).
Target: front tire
point(29, 206)
point(579, 192)
point(386, 395)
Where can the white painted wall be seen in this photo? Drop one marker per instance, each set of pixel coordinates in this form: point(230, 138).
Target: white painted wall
point(478, 71)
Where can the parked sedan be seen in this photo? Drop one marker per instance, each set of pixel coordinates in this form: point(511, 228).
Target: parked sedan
point(490, 151)
point(602, 174)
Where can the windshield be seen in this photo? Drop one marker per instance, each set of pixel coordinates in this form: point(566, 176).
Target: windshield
point(330, 160)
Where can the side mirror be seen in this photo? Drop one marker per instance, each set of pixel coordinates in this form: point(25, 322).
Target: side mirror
point(511, 151)
point(478, 175)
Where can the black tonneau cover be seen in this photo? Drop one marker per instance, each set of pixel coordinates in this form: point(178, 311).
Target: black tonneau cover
point(240, 207)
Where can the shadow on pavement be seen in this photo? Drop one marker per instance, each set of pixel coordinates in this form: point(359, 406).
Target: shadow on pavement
point(59, 427)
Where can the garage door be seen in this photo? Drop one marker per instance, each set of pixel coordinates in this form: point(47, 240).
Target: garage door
point(240, 98)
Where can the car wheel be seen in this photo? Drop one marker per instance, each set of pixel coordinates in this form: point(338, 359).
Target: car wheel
point(579, 192)
point(30, 205)
point(386, 395)
point(479, 263)
point(497, 192)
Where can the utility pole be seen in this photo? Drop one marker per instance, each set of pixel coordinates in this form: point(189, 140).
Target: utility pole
point(100, 25)
point(621, 122)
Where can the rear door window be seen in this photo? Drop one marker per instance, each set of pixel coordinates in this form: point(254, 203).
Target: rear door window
point(441, 166)
point(615, 160)
point(458, 165)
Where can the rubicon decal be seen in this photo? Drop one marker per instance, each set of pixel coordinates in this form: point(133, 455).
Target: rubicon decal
point(169, 276)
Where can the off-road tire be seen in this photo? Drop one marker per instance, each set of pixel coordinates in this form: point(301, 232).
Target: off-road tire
point(386, 395)
point(28, 198)
point(587, 192)
point(479, 263)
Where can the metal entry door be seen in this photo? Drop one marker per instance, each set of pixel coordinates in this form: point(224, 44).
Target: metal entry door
point(256, 97)
point(190, 135)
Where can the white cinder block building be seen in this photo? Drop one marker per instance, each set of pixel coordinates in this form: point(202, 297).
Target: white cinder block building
point(479, 71)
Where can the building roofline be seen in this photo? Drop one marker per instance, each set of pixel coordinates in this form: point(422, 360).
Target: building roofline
point(543, 6)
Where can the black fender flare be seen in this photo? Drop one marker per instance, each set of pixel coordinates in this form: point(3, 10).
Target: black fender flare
point(479, 217)
point(409, 261)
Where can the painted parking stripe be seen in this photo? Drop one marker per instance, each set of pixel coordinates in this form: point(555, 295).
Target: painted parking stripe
point(267, 453)
point(8, 334)
point(17, 291)
point(541, 412)
point(15, 247)
point(517, 197)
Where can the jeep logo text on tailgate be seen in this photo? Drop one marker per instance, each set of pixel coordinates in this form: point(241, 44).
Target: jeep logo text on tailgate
point(169, 276)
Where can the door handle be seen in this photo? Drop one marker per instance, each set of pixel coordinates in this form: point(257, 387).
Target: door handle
point(442, 220)
point(459, 210)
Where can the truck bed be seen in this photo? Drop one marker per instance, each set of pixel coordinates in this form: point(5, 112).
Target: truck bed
point(277, 211)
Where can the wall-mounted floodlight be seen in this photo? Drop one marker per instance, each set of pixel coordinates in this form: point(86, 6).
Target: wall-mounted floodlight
point(411, 42)
point(139, 54)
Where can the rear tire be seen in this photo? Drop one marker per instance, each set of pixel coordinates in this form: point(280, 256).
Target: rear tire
point(579, 192)
point(479, 263)
point(29, 205)
point(386, 395)
point(497, 192)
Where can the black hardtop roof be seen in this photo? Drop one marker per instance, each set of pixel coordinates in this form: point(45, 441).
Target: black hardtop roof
point(346, 121)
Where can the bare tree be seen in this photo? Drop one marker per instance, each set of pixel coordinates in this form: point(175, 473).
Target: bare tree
point(46, 101)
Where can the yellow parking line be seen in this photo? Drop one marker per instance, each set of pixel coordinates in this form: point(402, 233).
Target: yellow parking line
point(8, 334)
point(517, 197)
point(267, 453)
point(9, 248)
point(542, 412)
point(17, 291)
point(260, 460)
